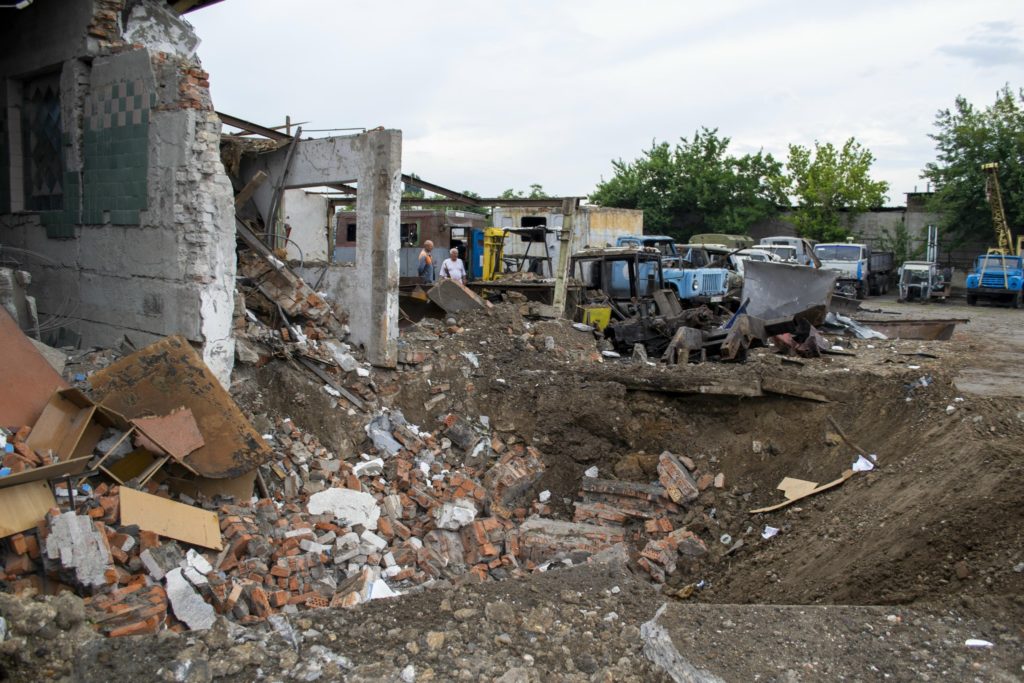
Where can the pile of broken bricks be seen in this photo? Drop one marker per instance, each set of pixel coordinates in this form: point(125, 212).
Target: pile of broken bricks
point(614, 503)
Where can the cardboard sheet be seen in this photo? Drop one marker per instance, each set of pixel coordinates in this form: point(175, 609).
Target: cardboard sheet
point(23, 507)
point(169, 374)
point(170, 519)
point(796, 488)
point(26, 376)
point(804, 493)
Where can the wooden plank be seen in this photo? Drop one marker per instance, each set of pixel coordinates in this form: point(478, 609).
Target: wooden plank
point(170, 519)
point(250, 188)
point(352, 398)
point(45, 473)
point(23, 507)
point(789, 501)
point(796, 488)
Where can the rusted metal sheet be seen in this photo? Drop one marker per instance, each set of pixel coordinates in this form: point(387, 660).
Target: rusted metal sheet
point(28, 380)
point(924, 330)
point(169, 374)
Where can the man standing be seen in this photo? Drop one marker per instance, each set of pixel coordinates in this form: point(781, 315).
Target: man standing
point(454, 268)
point(426, 263)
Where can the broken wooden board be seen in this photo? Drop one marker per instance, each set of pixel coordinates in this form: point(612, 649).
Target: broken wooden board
point(130, 466)
point(169, 374)
point(68, 428)
point(170, 519)
point(46, 472)
point(789, 501)
point(26, 375)
point(175, 434)
point(24, 506)
point(796, 488)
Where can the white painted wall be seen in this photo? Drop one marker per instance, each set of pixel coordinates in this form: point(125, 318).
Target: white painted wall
point(306, 213)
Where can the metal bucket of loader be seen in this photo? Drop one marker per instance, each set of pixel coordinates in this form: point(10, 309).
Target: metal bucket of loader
point(782, 290)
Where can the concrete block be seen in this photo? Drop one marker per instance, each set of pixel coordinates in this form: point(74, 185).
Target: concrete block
point(75, 542)
point(188, 606)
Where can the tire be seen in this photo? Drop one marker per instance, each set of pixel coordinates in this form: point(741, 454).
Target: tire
point(1015, 301)
point(972, 299)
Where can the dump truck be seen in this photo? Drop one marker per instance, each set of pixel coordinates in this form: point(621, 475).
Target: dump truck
point(862, 271)
point(998, 278)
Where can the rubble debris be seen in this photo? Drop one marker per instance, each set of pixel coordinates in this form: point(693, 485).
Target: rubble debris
point(803, 492)
point(353, 507)
point(676, 478)
point(455, 297)
point(188, 605)
point(168, 374)
point(75, 542)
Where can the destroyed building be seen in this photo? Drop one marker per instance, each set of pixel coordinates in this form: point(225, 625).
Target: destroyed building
point(224, 459)
point(113, 195)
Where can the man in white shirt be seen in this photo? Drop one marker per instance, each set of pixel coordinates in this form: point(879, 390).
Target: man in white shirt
point(453, 268)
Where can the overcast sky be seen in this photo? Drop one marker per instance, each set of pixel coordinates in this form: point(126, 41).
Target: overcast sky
point(492, 95)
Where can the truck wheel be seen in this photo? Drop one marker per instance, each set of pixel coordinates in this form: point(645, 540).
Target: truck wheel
point(972, 299)
point(1015, 302)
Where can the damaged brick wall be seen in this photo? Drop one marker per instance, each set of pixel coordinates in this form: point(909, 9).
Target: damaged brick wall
point(147, 210)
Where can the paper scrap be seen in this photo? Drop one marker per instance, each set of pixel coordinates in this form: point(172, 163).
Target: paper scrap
point(862, 465)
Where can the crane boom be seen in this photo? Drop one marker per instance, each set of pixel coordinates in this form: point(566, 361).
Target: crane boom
point(1004, 238)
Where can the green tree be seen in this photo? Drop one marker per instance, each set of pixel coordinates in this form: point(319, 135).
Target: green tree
point(413, 191)
point(696, 186)
point(536, 192)
point(967, 137)
point(830, 183)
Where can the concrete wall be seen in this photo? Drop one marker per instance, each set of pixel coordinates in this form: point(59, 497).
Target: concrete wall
point(143, 244)
point(306, 214)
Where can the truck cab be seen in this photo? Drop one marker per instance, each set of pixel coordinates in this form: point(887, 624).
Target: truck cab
point(861, 271)
point(799, 249)
point(996, 277)
point(697, 285)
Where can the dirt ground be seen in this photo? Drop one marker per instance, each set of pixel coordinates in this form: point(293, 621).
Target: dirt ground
point(881, 578)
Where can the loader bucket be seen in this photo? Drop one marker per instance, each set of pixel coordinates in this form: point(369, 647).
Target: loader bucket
point(781, 290)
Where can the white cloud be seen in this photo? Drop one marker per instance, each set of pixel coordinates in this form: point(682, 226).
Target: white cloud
point(496, 95)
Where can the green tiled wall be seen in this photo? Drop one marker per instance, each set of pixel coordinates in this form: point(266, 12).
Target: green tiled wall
point(116, 153)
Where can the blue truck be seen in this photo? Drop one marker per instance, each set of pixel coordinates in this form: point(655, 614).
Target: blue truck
point(696, 285)
point(996, 277)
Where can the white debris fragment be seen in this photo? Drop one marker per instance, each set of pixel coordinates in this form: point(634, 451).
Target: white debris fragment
point(950, 409)
point(188, 605)
point(363, 372)
point(610, 354)
point(354, 507)
point(591, 472)
point(583, 327)
point(332, 391)
point(455, 514)
point(472, 358)
point(862, 465)
point(769, 532)
point(198, 562)
point(369, 468)
point(544, 496)
point(978, 643)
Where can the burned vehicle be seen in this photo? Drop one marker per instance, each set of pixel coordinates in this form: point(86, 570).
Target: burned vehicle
point(623, 294)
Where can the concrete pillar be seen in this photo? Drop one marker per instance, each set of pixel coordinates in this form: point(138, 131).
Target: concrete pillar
point(377, 226)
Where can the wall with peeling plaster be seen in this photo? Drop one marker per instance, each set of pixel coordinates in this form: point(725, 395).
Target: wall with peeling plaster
point(139, 241)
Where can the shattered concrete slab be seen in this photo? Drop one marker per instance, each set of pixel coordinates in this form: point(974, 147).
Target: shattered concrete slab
point(188, 605)
point(354, 507)
point(78, 546)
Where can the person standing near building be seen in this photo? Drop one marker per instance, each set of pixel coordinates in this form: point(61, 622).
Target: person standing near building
point(453, 268)
point(426, 263)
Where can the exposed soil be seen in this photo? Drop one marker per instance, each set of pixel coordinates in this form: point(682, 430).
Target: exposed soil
point(933, 535)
